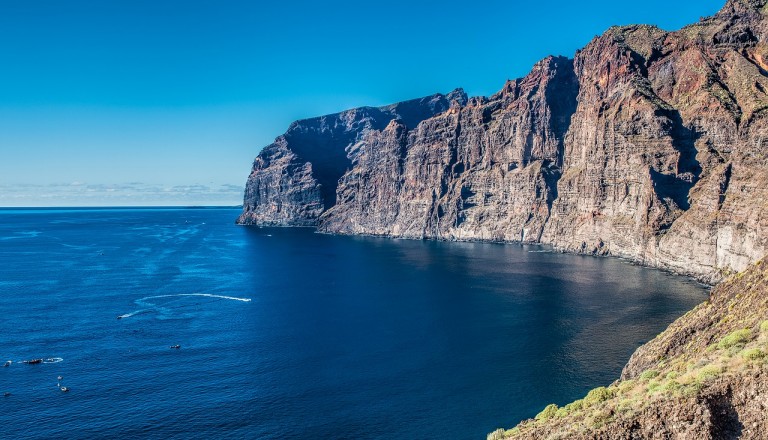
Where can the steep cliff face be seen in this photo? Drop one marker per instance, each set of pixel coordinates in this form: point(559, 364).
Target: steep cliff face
point(294, 179)
point(485, 170)
point(666, 144)
point(650, 145)
point(705, 377)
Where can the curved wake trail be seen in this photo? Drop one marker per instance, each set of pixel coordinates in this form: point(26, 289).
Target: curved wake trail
point(152, 307)
point(209, 295)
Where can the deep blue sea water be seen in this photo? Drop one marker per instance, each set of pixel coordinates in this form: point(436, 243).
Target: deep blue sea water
point(343, 337)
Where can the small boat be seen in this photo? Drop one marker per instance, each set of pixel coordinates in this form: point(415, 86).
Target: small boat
point(65, 389)
point(6, 394)
point(7, 363)
point(176, 346)
point(119, 316)
point(33, 361)
point(60, 377)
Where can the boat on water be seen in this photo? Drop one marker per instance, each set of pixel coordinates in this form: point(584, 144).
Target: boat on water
point(33, 361)
point(7, 363)
point(176, 346)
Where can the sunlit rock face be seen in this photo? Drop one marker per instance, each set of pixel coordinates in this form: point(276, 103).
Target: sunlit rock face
point(648, 144)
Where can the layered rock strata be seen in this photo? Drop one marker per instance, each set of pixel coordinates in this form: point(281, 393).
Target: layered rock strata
point(650, 145)
point(294, 179)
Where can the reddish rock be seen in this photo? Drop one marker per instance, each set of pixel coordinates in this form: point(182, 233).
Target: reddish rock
point(649, 145)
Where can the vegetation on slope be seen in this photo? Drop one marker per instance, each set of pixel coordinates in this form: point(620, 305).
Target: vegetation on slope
point(706, 376)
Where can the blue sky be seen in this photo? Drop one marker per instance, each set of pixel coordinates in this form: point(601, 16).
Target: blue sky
point(167, 102)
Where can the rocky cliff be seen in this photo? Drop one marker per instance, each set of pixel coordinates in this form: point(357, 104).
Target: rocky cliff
point(294, 179)
point(705, 377)
point(650, 145)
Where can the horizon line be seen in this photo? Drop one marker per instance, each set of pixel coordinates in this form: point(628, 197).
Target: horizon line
point(8, 208)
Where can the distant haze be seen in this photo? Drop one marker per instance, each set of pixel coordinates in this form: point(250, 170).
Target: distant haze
point(166, 103)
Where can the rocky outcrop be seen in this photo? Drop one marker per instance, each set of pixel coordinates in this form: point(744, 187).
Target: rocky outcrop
point(294, 179)
point(649, 145)
point(705, 377)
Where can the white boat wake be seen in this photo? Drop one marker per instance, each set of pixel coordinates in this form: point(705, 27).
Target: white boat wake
point(150, 307)
point(50, 360)
point(209, 295)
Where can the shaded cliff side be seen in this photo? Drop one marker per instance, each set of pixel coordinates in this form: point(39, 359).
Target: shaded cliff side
point(648, 144)
point(294, 179)
point(705, 377)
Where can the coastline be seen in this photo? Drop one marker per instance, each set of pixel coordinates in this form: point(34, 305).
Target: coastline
point(703, 280)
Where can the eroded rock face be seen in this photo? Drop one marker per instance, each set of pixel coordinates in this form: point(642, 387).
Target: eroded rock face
point(294, 179)
point(484, 170)
point(663, 146)
point(650, 145)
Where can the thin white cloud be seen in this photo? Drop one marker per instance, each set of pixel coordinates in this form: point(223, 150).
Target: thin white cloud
point(128, 194)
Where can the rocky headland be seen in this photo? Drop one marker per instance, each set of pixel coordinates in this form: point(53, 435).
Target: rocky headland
point(649, 145)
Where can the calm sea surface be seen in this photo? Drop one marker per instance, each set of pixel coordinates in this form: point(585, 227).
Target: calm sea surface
point(289, 334)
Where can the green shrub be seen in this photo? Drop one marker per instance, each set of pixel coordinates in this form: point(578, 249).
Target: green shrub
point(649, 374)
point(626, 405)
point(691, 389)
point(753, 354)
point(671, 385)
point(708, 372)
point(599, 394)
point(735, 338)
point(673, 375)
point(626, 386)
point(733, 351)
point(764, 326)
point(547, 413)
point(653, 385)
point(574, 406)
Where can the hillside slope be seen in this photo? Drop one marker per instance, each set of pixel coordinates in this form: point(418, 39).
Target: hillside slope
point(704, 377)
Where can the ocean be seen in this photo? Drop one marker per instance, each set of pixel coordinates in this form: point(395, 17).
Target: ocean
point(285, 333)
